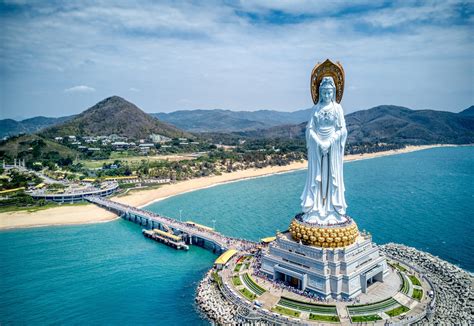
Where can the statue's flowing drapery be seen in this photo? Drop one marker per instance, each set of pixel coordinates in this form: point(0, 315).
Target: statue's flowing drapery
point(323, 195)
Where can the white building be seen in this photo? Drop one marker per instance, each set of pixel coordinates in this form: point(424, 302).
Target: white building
point(156, 138)
point(329, 272)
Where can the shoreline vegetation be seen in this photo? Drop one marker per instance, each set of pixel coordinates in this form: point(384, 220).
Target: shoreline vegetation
point(89, 213)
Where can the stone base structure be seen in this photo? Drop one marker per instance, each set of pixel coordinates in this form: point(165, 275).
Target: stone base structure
point(331, 269)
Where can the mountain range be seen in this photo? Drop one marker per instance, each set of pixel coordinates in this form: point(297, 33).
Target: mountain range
point(10, 127)
point(391, 124)
point(229, 121)
point(385, 123)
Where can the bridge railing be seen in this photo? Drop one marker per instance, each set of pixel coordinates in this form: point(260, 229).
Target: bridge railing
point(211, 236)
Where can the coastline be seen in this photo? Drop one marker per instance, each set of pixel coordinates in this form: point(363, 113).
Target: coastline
point(87, 214)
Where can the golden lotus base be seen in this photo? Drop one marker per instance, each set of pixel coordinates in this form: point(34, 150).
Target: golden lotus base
point(333, 236)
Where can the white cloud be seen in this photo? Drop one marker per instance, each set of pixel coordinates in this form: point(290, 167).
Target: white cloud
point(216, 57)
point(431, 12)
point(79, 89)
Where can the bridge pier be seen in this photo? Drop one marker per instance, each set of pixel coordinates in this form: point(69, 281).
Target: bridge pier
point(191, 234)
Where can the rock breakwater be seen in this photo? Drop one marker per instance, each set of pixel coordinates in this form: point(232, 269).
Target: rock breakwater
point(213, 304)
point(453, 286)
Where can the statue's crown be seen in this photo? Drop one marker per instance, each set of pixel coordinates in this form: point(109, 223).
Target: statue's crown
point(323, 70)
point(327, 82)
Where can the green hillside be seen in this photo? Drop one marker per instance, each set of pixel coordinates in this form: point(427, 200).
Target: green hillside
point(9, 127)
point(390, 124)
point(230, 121)
point(114, 115)
point(34, 148)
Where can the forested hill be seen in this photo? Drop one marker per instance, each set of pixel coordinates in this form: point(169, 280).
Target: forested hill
point(385, 123)
point(230, 121)
point(10, 127)
point(391, 124)
point(469, 112)
point(114, 115)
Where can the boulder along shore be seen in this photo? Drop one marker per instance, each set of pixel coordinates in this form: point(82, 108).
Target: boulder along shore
point(213, 304)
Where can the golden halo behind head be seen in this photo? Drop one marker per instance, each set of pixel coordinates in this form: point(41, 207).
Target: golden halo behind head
point(327, 69)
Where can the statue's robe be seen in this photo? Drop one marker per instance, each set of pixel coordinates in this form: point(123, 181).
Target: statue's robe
point(312, 198)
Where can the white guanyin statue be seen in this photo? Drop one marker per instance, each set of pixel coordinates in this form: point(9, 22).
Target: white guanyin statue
point(323, 199)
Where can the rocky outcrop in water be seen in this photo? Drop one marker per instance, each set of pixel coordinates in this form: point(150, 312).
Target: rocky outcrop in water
point(213, 304)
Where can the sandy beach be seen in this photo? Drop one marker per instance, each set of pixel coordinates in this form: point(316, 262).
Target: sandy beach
point(67, 215)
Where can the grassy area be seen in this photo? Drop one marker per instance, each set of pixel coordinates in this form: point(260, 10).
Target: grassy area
point(134, 190)
point(306, 306)
point(247, 265)
point(286, 311)
point(126, 185)
point(32, 209)
point(417, 294)
point(399, 267)
point(397, 311)
point(42, 148)
point(93, 164)
point(237, 268)
point(414, 280)
point(257, 289)
point(405, 288)
point(133, 159)
point(236, 280)
point(249, 295)
point(371, 308)
point(323, 318)
point(361, 319)
point(217, 278)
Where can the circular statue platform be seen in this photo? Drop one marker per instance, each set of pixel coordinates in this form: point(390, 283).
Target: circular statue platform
point(325, 236)
point(395, 300)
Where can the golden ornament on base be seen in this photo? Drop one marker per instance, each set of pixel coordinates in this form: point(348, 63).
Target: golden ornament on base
point(333, 236)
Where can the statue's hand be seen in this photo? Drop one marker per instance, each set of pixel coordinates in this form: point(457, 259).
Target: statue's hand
point(325, 147)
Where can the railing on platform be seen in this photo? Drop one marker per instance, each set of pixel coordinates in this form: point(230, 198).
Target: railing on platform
point(431, 306)
point(237, 300)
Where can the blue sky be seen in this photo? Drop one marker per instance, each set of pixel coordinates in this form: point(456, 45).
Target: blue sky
point(61, 57)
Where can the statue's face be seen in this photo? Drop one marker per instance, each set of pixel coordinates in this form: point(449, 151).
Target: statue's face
point(327, 94)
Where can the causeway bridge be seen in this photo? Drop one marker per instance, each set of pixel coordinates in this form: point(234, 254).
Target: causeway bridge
point(191, 234)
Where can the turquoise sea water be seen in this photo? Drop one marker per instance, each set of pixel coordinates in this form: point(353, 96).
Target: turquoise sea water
point(110, 274)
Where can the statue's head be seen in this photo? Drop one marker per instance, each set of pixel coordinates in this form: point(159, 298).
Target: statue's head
point(327, 90)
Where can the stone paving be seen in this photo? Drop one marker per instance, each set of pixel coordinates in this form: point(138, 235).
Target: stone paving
point(379, 291)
